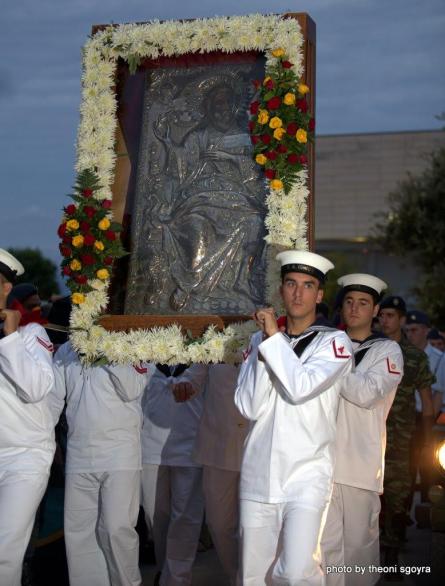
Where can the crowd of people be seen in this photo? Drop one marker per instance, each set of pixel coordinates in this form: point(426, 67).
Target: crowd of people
point(303, 458)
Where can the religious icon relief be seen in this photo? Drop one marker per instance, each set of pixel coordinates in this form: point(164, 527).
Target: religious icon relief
point(200, 198)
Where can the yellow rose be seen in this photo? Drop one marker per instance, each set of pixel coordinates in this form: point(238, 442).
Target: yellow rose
point(75, 265)
point(303, 88)
point(104, 224)
point(261, 159)
point(72, 225)
point(263, 117)
point(266, 79)
point(77, 298)
point(301, 135)
point(275, 122)
point(289, 99)
point(276, 184)
point(278, 133)
point(98, 245)
point(278, 52)
point(102, 274)
point(77, 241)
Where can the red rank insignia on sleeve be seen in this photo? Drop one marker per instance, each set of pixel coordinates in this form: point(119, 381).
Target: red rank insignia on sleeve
point(392, 368)
point(246, 353)
point(47, 345)
point(140, 369)
point(339, 351)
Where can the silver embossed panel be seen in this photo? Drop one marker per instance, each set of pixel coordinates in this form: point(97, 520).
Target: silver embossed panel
point(198, 224)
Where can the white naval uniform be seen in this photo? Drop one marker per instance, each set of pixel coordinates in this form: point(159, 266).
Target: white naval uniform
point(351, 534)
point(219, 449)
point(26, 441)
point(102, 485)
point(287, 467)
point(171, 479)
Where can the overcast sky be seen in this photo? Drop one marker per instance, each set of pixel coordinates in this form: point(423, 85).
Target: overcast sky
point(379, 68)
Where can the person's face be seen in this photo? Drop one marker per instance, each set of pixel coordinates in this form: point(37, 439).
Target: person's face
point(220, 109)
point(439, 344)
point(300, 294)
point(416, 334)
point(391, 321)
point(358, 309)
point(32, 302)
point(5, 290)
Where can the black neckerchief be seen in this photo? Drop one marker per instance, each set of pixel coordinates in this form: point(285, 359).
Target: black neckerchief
point(309, 334)
point(177, 370)
point(365, 345)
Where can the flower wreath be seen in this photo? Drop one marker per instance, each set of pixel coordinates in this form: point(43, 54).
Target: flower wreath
point(90, 238)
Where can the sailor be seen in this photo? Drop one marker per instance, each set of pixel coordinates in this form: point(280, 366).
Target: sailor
point(219, 449)
point(26, 430)
point(103, 467)
point(288, 388)
point(171, 480)
point(436, 340)
point(351, 534)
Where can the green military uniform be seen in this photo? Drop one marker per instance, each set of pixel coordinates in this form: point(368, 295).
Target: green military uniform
point(400, 427)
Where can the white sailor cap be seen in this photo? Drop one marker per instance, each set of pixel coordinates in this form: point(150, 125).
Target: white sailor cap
point(363, 282)
point(10, 267)
point(302, 261)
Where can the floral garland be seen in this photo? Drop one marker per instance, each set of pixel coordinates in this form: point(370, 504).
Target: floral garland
point(285, 220)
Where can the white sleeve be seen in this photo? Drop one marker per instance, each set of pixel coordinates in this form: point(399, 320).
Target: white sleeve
point(367, 389)
point(301, 381)
point(254, 385)
point(26, 360)
point(56, 398)
point(129, 381)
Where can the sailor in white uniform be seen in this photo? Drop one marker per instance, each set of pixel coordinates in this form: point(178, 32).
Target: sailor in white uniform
point(26, 428)
point(289, 388)
point(171, 479)
point(103, 467)
point(351, 534)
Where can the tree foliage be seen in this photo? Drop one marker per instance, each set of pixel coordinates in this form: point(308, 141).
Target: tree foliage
point(39, 270)
point(415, 225)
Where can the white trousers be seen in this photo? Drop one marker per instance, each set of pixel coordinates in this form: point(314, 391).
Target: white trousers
point(351, 537)
point(221, 498)
point(101, 511)
point(20, 496)
point(173, 505)
point(280, 544)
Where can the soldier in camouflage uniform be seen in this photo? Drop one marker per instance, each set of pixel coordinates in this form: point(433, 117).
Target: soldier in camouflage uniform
point(400, 426)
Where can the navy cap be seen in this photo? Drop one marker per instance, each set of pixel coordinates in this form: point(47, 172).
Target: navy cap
point(434, 334)
point(393, 302)
point(22, 292)
point(417, 317)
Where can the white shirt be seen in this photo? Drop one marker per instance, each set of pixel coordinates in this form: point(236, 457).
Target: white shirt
point(293, 402)
point(103, 412)
point(223, 429)
point(366, 398)
point(169, 429)
point(26, 378)
point(436, 360)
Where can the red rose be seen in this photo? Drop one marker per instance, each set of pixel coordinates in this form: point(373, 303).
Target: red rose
point(266, 138)
point(303, 159)
point(66, 271)
point(269, 84)
point(89, 211)
point(71, 209)
point(302, 105)
point(87, 192)
point(110, 235)
point(293, 159)
point(65, 250)
point(312, 124)
point(270, 173)
point(61, 230)
point(251, 125)
point(81, 279)
point(271, 155)
point(255, 139)
point(254, 107)
point(274, 103)
point(286, 64)
point(107, 203)
point(87, 259)
point(84, 227)
point(292, 128)
point(89, 240)
point(67, 239)
point(281, 148)
point(108, 260)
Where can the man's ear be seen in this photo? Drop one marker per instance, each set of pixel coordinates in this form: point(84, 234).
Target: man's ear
point(320, 294)
point(375, 313)
point(403, 320)
point(7, 288)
